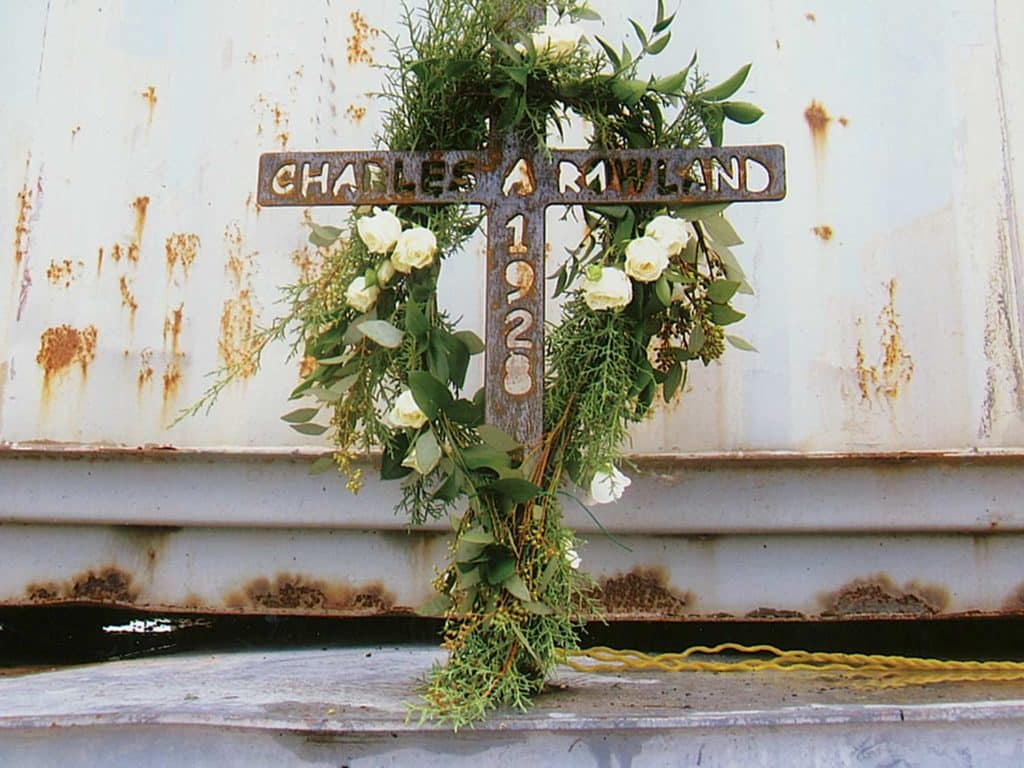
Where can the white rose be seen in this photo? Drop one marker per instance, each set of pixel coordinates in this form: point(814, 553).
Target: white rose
point(359, 296)
point(573, 557)
point(610, 291)
point(608, 485)
point(557, 40)
point(671, 232)
point(405, 412)
point(385, 272)
point(415, 249)
point(380, 231)
point(646, 259)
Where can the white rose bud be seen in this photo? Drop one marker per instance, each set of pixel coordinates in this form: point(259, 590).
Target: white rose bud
point(557, 40)
point(611, 290)
point(405, 412)
point(415, 249)
point(608, 485)
point(380, 231)
point(360, 297)
point(385, 272)
point(646, 259)
point(573, 557)
point(671, 232)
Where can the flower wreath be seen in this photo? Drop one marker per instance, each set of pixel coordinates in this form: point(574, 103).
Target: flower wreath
point(646, 292)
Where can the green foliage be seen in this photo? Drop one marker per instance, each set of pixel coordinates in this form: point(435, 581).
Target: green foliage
point(460, 68)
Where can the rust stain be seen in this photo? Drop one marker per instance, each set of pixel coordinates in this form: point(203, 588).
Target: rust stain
point(145, 368)
point(293, 592)
point(844, 121)
point(21, 224)
point(140, 204)
point(63, 346)
point(355, 113)
point(107, 585)
point(172, 380)
point(150, 96)
point(879, 596)
point(307, 265)
point(824, 231)
point(895, 367)
point(181, 248)
point(237, 321)
point(359, 47)
point(74, 132)
point(172, 328)
point(60, 273)
point(127, 297)
point(99, 261)
point(810, 17)
point(251, 58)
point(643, 592)
point(817, 118)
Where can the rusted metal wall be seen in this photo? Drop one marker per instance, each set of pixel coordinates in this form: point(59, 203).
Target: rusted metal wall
point(888, 314)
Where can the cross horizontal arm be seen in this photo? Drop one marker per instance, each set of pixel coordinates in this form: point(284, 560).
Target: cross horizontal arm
point(567, 177)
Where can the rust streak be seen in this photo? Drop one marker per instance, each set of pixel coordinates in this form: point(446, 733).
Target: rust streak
point(145, 369)
point(140, 204)
point(355, 113)
point(181, 248)
point(150, 96)
point(817, 120)
point(823, 231)
point(172, 328)
point(895, 367)
point(127, 297)
point(293, 592)
point(21, 224)
point(172, 379)
point(99, 261)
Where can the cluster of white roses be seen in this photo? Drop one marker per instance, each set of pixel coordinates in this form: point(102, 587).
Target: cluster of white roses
point(410, 249)
point(647, 258)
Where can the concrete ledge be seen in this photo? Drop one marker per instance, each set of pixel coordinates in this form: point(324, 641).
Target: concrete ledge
point(348, 707)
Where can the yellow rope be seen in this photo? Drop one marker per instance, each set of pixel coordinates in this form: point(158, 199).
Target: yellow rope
point(870, 669)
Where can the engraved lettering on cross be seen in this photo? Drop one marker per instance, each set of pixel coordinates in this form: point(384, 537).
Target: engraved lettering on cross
point(516, 185)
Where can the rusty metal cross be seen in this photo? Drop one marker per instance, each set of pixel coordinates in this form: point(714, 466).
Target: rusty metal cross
point(516, 185)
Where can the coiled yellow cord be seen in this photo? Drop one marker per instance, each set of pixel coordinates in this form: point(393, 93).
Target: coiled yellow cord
point(869, 669)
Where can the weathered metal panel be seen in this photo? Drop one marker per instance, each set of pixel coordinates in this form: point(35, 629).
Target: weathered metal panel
point(137, 259)
point(134, 259)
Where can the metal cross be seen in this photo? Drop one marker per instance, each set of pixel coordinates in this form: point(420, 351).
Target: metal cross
point(516, 185)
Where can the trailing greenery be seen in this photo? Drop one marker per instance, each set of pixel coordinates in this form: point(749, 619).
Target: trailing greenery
point(387, 367)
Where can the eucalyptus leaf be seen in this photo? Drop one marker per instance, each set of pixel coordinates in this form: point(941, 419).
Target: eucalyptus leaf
point(300, 415)
point(485, 457)
point(428, 452)
point(478, 536)
point(672, 381)
point(698, 212)
point(727, 88)
point(742, 112)
point(535, 606)
point(500, 570)
point(430, 394)
point(613, 57)
point(517, 489)
point(663, 291)
point(740, 343)
point(629, 91)
point(471, 341)
point(516, 587)
point(382, 332)
point(720, 291)
point(657, 46)
point(415, 321)
point(696, 343)
point(324, 236)
point(498, 438)
point(309, 428)
point(723, 314)
point(721, 231)
point(438, 605)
